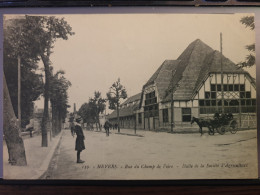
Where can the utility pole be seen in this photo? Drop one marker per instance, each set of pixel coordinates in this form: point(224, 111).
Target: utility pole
point(173, 73)
point(222, 76)
point(19, 85)
point(19, 90)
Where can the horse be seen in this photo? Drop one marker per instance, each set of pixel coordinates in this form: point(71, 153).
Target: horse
point(203, 123)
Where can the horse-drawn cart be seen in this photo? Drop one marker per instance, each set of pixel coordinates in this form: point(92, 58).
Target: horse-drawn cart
point(225, 123)
point(221, 123)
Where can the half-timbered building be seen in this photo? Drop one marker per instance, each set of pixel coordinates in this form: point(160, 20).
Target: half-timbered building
point(127, 118)
point(199, 83)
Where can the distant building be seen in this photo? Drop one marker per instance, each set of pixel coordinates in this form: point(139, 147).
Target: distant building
point(127, 113)
point(102, 119)
point(192, 83)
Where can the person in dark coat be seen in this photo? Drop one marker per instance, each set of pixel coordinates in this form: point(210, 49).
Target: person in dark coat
point(80, 145)
point(107, 126)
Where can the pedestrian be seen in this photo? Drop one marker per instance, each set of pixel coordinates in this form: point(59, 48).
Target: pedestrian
point(80, 145)
point(107, 126)
point(72, 127)
point(30, 127)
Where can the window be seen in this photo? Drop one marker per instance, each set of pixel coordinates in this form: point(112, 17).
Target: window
point(248, 94)
point(233, 103)
point(207, 95)
point(236, 87)
point(213, 95)
point(225, 103)
point(201, 102)
point(165, 115)
point(140, 118)
point(242, 95)
point(213, 102)
point(225, 87)
point(230, 87)
point(213, 87)
point(186, 114)
point(248, 102)
point(242, 87)
point(218, 87)
point(150, 98)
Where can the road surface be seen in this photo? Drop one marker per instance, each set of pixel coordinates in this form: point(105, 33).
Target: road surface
point(156, 155)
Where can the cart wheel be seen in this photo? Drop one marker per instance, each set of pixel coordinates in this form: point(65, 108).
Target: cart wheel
point(211, 131)
point(221, 130)
point(233, 127)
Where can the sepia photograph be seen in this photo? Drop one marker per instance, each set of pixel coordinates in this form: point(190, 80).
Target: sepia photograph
point(129, 96)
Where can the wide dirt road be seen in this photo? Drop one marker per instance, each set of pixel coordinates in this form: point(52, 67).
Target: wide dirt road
point(157, 156)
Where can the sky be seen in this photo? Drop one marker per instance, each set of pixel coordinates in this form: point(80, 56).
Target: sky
point(131, 47)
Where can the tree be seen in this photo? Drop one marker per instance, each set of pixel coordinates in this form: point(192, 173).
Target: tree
point(37, 35)
point(97, 105)
point(31, 82)
point(248, 21)
point(90, 111)
point(59, 86)
point(12, 136)
point(115, 94)
point(85, 113)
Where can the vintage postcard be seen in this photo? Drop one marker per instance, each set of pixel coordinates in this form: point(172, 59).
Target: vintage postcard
point(148, 96)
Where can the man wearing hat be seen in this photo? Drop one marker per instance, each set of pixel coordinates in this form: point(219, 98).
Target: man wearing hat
point(79, 140)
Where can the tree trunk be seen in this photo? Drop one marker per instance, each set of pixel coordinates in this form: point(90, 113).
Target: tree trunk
point(117, 113)
point(56, 116)
point(12, 136)
point(59, 122)
point(46, 62)
point(53, 119)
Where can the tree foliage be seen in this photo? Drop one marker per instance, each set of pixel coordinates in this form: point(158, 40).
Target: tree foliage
point(249, 22)
point(36, 36)
point(116, 92)
point(31, 82)
point(91, 110)
point(59, 86)
point(85, 113)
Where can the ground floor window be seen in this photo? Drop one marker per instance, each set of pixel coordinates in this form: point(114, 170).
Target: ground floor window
point(227, 109)
point(165, 115)
point(186, 114)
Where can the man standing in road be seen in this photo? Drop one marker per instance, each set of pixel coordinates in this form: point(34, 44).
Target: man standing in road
point(106, 127)
point(80, 145)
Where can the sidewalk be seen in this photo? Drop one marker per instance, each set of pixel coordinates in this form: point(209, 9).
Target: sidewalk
point(38, 158)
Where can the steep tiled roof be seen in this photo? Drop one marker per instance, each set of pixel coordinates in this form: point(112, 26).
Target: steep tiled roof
point(132, 99)
point(128, 110)
point(197, 60)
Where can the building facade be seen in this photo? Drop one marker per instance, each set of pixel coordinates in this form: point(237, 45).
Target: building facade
point(127, 118)
point(200, 83)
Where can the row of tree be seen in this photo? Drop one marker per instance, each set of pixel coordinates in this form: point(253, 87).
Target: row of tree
point(29, 40)
point(91, 110)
